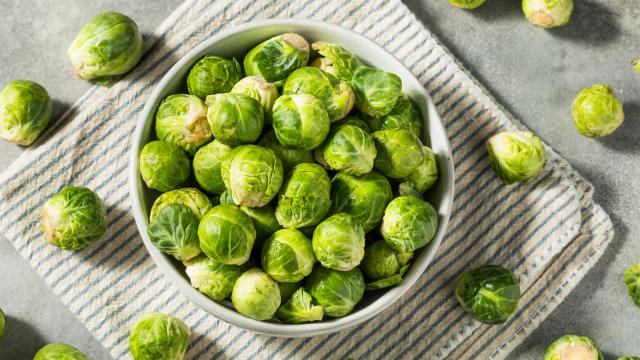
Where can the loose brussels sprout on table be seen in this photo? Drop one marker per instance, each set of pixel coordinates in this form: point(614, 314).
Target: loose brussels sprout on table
point(206, 166)
point(383, 265)
point(632, 281)
point(399, 152)
point(597, 111)
point(299, 309)
point(25, 110)
point(213, 75)
point(516, 156)
point(409, 223)
point(181, 120)
point(404, 115)
point(304, 197)
point(337, 292)
point(212, 278)
point(74, 218)
point(227, 235)
point(338, 242)
point(59, 351)
point(300, 121)
point(423, 177)
point(258, 88)
point(287, 256)
point(377, 91)
point(174, 231)
point(547, 13)
point(571, 347)
point(163, 166)
point(467, 4)
point(235, 119)
point(106, 48)
point(350, 149)
point(489, 293)
point(277, 57)
point(256, 295)
point(289, 157)
point(158, 336)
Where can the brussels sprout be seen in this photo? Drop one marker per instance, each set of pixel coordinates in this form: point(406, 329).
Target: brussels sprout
point(206, 166)
point(404, 115)
point(377, 91)
point(227, 235)
point(337, 60)
point(384, 265)
point(338, 242)
point(467, 4)
point(336, 96)
point(25, 110)
point(3, 321)
point(212, 278)
point(287, 256)
point(174, 231)
point(74, 218)
point(107, 47)
point(362, 197)
point(289, 157)
point(571, 347)
point(258, 88)
point(547, 13)
point(277, 57)
point(516, 156)
point(596, 111)
point(489, 293)
point(163, 166)
point(409, 223)
point(235, 119)
point(399, 153)
point(337, 292)
point(324, 64)
point(252, 174)
point(350, 149)
point(182, 120)
point(192, 198)
point(256, 295)
point(159, 337)
point(423, 177)
point(213, 75)
point(304, 197)
point(59, 351)
point(287, 289)
point(632, 281)
point(300, 121)
point(299, 309)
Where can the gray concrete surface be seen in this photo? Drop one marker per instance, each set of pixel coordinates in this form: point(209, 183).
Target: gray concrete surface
point(534, 73)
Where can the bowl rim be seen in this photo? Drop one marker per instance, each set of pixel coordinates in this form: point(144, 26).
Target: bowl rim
point(229, 315)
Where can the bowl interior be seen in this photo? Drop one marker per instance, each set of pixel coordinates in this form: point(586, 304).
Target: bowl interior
point(235, 43)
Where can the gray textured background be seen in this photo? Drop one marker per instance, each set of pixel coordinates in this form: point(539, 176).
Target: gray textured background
point(534, 73)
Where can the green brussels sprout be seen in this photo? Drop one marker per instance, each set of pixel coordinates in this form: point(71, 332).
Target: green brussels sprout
point(174, 231)
point(157, 336)
point(256, 295)
point(547, 13)
point(263, 218)
point(290, 157)
point(489, 293)
point(275, 58)
point(258, 88)
point(192, 198)
point(350, 149)
point(423, 177)
point(106, 48)
point(337, 292)
point(235, 119)
point(59, 351)
point(409, 223)
point(287, 289)
point(596, 111)
point(570, 347)
point(74, 218)
point(181, 120)
point(300, 121)
point(384, 265)
point(337, 60)
point(377, 91)
point(404, 115)
point(304, 197)
point(467, 4)
point(362, 197)
point(399, 153)
point(163, 166)
point(287, 256)
point(299, 309)
point(336, 96)
point(213, 75)
point(3, 321)
point(516, 156)
point(227, 235)
point(252, 174)
point(25, 110)
point(338, 242)
point(632, 281)
point(212, 278)
point(206, 166)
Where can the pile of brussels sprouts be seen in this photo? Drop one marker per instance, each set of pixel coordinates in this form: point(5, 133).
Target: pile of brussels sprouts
point(290, 186)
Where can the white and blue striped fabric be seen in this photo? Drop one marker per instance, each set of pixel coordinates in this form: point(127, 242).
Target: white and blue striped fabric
point(547, 229)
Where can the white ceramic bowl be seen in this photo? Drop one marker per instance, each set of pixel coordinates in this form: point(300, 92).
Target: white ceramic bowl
point(236, 42)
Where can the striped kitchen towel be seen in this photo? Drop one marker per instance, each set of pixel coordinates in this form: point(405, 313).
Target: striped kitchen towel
point(547, 229)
